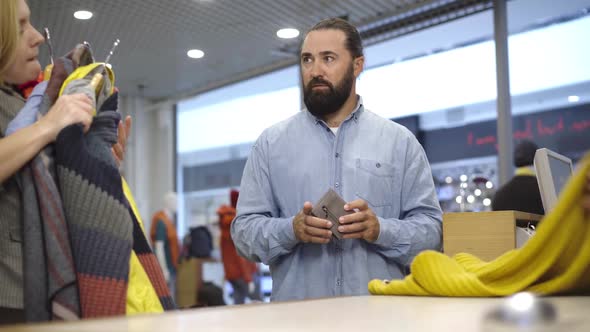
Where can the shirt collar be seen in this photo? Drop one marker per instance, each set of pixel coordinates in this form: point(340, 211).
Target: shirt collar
point(525, 170)
point(358, 109)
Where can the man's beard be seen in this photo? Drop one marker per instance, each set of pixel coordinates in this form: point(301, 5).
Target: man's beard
point(322, 103)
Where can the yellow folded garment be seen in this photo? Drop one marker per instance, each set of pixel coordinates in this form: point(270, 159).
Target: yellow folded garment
point(556, 260)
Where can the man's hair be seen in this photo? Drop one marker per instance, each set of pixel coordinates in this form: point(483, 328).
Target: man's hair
point(524, 153)
point(8, 34)
point(354, 43)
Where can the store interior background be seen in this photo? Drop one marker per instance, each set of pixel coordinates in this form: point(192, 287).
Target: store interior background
point(194, 138)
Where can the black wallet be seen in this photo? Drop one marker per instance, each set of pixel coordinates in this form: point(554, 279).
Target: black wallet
point(331, 207)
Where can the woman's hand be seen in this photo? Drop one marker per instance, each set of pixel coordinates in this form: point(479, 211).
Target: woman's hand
point(67, 110)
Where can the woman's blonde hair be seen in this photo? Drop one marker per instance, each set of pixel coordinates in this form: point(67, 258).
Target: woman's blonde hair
point(8, 34)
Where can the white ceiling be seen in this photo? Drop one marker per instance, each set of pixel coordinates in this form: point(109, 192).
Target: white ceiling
point(238, 36)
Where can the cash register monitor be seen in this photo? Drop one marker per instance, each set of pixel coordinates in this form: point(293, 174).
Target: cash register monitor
point(553, 170)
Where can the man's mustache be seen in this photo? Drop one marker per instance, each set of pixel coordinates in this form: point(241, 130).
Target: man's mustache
point(318, 81)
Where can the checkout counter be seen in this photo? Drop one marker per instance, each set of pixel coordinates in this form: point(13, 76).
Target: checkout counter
point(358, 314)
point(485, 234)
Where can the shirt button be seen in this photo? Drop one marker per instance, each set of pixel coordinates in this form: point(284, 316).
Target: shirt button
point(337, 154)
point(337, 184)
point(378, 165)
point(338, 282)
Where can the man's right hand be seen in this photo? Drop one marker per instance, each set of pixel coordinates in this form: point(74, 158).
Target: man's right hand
point(308, 228)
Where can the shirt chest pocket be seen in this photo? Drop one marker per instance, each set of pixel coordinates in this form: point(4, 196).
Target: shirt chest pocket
point(374, 182)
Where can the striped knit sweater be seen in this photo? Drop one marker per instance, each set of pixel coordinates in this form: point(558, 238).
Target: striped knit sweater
point(78, 219)
point(102, 226)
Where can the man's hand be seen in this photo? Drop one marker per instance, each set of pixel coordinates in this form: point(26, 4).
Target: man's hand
point(363, 224)
point(586, 199)
point(308, 228)
point(122, 133)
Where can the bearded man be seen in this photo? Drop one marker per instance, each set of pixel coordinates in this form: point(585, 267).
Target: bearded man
point(376, 165)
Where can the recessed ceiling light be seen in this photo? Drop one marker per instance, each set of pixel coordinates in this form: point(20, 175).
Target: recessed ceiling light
point(195, 54)
point(287, 33)
point(83, 15)
point(573, 99)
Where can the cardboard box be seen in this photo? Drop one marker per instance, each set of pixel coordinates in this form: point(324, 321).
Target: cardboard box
point(189, 279)
point(486, 235)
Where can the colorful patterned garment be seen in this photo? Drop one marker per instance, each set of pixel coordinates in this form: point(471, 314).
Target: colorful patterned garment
point(554, 261)
point(235, 266)
point(141, 293)
point(79, 219)
point(150, 264)
point(171, 237)
point(50, 286)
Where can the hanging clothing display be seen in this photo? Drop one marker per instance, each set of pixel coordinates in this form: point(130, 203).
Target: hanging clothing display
point(235, 266)
point(171, 244)
point(77, 214)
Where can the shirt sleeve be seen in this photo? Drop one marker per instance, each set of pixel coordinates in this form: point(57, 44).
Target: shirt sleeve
point(257, 232)
point(420, 224)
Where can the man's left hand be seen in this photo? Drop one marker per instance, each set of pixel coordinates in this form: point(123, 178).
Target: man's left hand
point(122, 133)
point(362, 224)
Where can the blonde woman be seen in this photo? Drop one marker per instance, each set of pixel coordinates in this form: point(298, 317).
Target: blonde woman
point(19, 49)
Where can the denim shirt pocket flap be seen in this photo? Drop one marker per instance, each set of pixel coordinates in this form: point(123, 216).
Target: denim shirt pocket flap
point(374, 182)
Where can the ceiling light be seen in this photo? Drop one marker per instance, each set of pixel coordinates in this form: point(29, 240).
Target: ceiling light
point(573, 99)
point(83, 15)
point(195, 54)
point(487, 202)
point(287, 33)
